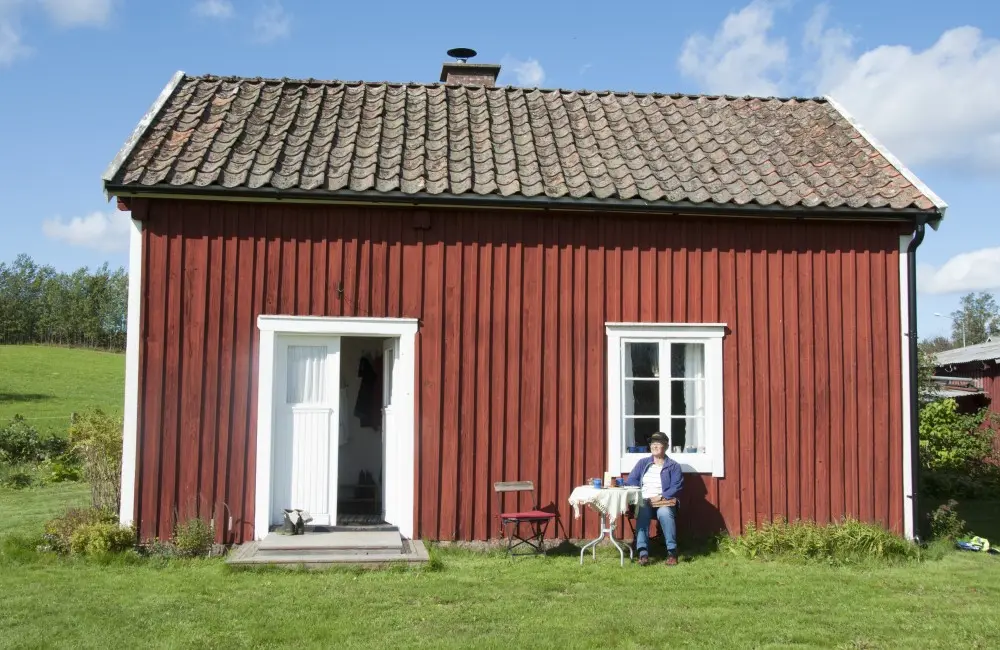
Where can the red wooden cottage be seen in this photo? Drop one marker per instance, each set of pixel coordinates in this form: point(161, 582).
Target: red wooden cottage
point(373, 300)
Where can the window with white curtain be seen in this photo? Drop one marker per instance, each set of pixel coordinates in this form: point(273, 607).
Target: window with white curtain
point(306, 374)
point(665, 377)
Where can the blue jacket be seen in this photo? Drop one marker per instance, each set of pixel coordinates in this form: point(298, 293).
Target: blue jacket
point(671, 476)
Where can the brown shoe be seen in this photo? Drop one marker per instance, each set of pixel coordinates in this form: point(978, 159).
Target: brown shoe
point(643, 560)
point(671, 560)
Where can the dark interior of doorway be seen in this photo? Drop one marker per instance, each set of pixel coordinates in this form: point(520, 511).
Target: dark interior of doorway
point(360, 472)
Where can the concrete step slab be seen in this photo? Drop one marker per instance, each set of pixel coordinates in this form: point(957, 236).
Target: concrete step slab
point(414, 552)
point(346, 541)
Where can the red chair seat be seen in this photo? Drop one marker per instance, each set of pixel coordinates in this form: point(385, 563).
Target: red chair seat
point(528, 514)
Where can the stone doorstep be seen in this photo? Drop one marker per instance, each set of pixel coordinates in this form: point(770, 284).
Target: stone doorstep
point(414, 552)
point(345, 542)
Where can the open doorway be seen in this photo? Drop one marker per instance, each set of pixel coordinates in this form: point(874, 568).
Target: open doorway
point(365, 391)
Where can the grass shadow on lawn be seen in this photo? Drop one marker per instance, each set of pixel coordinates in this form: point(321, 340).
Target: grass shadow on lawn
point(24, 397)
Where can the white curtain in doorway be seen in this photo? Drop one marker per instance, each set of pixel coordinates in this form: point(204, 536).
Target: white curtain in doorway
point(306, 374)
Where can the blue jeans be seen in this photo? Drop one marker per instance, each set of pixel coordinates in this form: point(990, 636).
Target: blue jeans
point(666, 515)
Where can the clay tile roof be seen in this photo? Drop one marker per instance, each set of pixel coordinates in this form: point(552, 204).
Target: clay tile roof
point(250, 134)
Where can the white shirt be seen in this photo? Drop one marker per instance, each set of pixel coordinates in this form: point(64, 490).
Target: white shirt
point(652, 486)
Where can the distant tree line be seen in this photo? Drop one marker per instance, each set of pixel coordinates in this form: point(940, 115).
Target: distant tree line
point(41, 305)
point(976, 319)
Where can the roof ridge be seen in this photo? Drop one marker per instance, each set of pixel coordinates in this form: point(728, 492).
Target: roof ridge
point(508, 87)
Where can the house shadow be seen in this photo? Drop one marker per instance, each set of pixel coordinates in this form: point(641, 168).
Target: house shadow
point(699, 524)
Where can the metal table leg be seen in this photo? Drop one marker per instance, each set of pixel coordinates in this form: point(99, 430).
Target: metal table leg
point(607, 528)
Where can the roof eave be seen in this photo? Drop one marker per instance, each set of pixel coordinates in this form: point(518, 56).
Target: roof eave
point(940, 206)
point(139, 130)
point(590, 204)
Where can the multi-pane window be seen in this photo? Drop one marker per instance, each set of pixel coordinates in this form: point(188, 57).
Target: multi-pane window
point(666, 378)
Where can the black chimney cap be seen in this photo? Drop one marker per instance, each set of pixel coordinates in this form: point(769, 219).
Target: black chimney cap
point(461, 53)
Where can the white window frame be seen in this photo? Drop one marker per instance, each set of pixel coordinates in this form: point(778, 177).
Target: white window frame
point(708, 334)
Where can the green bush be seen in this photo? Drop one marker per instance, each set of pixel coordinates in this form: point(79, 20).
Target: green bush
point(193, 538)
point(21, 443)
point(100, 538)
point(62, 468)
point(59, 531)
point(17, 478)
point(945, 522)
point(839, 543)
point(945, 484)
point(97, 437)
point(953, 442)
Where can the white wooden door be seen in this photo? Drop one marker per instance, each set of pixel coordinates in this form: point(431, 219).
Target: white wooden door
point(305, 432)
point(390, 349)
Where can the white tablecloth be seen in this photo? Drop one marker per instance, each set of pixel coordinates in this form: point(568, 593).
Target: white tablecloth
point(610, 501)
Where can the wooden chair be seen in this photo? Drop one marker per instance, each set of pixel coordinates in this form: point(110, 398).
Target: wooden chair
point(537, 520)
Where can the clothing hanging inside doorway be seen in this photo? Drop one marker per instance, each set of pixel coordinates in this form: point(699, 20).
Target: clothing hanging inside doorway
point(368, 407)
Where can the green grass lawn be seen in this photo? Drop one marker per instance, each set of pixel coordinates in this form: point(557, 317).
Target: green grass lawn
point(474, 600)
point(711, 601)
point(45, 384)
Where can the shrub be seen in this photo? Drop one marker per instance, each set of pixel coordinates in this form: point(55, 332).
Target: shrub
point(944, 484)
point(59, 531)
point(953, 442)
point(945, 522)
point(62, 468)
point(193, 538)
point(17, 479)
point(97, 436)
point(101, 537)
point(846, 542)
point(21, 443)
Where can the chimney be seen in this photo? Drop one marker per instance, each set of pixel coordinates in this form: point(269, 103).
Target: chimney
point(463, 72)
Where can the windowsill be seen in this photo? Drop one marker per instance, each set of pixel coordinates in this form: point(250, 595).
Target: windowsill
point(690, 463)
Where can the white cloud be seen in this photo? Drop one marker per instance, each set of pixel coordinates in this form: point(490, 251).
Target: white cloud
point(103, 231)
point(63, 13)
point(214, 8)
point(272, 22)
point(977, 270)
point(740, 59)
point(529, 72)
point(936, 105)
point(941, 104)
point(11, 47)
point(72, 13)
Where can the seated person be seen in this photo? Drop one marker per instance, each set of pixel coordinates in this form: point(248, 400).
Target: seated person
point(661, 480)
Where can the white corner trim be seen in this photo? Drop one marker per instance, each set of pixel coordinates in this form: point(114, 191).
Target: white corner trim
point(893, 160)
point(711, 335)
point(265, 421)
point(400, 473)
point(908, 451)
point(140, 129)
point(130, 431)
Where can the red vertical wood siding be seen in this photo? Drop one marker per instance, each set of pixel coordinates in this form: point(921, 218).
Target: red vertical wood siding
point(511, 352)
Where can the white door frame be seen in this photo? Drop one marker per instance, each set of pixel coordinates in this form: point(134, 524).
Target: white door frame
point(399, 442)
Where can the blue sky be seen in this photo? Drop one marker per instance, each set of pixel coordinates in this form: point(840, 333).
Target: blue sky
point(923, 77)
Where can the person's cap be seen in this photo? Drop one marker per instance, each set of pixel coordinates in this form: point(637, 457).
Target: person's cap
point(659, 437)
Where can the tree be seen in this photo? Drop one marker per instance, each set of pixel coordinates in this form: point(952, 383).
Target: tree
point(39, 305)
point(978, 318)
point(935, 345)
